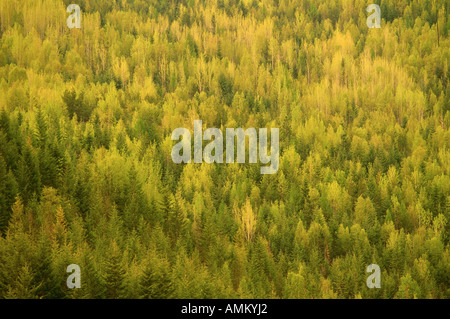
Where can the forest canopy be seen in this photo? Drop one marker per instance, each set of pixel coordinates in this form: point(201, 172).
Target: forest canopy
point(86, 175)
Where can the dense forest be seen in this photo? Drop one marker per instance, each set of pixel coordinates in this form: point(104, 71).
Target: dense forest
point(86, 175)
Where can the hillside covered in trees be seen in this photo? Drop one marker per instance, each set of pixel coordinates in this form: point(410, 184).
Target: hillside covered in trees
point(86, 175)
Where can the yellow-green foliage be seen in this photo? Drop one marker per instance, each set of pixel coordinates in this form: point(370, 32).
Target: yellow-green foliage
point(86, 175)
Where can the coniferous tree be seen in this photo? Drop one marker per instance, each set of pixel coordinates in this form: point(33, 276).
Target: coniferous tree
point(114, 274)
